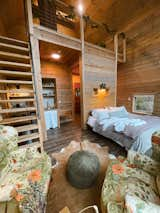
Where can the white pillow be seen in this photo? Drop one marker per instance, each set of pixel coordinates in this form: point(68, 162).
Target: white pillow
point(116, 108)
point(135, 205)
point(100, 114)
point(91, 121)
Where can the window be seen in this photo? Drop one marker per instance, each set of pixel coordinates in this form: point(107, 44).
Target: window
point(143, 104)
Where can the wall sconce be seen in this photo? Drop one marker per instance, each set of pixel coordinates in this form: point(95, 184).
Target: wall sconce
point(102, 88)
point(95, 90)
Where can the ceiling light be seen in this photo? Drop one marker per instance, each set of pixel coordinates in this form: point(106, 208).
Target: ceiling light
point(56, 56)
point(80, 9)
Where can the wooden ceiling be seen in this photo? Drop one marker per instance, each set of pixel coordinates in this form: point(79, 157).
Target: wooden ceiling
point(68, 56)
point(13, 18)
point(119, 15)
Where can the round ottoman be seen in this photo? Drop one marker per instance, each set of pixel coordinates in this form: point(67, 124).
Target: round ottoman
point(82, 169)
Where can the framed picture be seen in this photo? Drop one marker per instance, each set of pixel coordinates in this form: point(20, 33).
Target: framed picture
point(143, 104)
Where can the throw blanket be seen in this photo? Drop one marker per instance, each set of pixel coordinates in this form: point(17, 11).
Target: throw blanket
point(121, 124)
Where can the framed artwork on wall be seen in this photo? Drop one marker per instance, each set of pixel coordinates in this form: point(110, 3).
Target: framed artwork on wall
point(143, 104)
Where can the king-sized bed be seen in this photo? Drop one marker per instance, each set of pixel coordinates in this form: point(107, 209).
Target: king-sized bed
point(129, 130)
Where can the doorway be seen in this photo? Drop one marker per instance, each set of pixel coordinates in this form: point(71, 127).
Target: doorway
point(62, 64)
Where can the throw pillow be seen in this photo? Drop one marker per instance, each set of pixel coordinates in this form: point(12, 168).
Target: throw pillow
point(158, 183)
point(135, 205)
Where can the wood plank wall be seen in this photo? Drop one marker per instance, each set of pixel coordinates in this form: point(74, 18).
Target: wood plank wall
point(141, 73)
point(99, 68)
point(63, 76)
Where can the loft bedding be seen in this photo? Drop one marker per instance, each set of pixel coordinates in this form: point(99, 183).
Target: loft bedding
point(129, 130)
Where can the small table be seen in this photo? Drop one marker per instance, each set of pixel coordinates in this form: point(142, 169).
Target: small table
point(51, 119)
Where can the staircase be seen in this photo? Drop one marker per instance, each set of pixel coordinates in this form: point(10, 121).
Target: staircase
point(18, 105)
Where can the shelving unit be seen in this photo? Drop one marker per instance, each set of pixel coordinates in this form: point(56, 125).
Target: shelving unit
point(50, 102)
point(49, 93)
point(18, 105)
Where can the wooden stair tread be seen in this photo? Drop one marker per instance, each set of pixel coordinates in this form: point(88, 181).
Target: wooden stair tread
point(15, 82)
point(13, 41)
point(15, 73)
point(17, 91)
point(14, 56)
point(18, 119)
point(33, 144)
point(28, 137)
point(14, 110)
point(26, 127)
point(13, 47)
point(17, 100)
point(15, 65)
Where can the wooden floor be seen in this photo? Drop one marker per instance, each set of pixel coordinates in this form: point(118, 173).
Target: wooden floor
point(61, 137)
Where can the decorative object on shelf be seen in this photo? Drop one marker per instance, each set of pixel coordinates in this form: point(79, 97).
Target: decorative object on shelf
point(49, 93)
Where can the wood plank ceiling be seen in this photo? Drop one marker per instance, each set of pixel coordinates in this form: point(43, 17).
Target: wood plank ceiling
point(68, 56)
point(118, 15)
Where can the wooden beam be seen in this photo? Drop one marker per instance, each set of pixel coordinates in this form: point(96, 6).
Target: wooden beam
point(116, 63)
point(51, 36)
point(124, 49)
point(28, 6)
point(38, 84)
point(82, 71)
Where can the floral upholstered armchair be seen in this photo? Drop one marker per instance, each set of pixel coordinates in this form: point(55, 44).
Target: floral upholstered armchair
point(132, 185)
point(24, 175)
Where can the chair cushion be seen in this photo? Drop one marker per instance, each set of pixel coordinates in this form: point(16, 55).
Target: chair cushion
point(143, 162)
point(8, 137)
point(135, 204)
point(156, 146)
point(121, 179)
point(158, 183)
point(26, 174)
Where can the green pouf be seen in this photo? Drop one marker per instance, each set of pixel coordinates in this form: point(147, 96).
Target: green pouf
point(83, 169)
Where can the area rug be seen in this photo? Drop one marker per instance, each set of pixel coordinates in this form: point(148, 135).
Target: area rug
point(61, 193)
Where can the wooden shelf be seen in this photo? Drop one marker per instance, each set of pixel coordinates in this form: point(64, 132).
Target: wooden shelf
point(50, 109)
point(48, 96)
point(14, 110)
point(27, 137)
point(33, 144)
point(18, 119)
point(15, 65)
point(14, 57)
point(15, 48)
point(17, 100)
point(17, 91)
point(26, 128)
point(18, 87)
point(48, 86)
point(13, 41)
point(15, 82)
point(15, 73)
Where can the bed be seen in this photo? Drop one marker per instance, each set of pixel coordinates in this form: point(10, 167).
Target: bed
point(129, 130)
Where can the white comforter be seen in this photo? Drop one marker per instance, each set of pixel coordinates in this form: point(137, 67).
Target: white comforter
point(120, 123)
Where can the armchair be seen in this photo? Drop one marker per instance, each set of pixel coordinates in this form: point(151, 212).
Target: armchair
point(136, 178)
point(24, 175)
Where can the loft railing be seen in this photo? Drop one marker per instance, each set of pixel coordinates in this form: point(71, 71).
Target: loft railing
point(55, 15)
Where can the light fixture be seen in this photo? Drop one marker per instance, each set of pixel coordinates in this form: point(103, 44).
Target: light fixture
point(102, 89)
point(80, 9)
point(56, 56)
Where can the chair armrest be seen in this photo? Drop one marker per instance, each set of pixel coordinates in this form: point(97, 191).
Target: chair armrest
point(143, 162)
point(156, 146)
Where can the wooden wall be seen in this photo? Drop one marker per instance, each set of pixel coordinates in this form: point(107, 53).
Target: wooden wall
point(99, 68)
point(141, 73)
point(63, 76)
point(12, 19)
